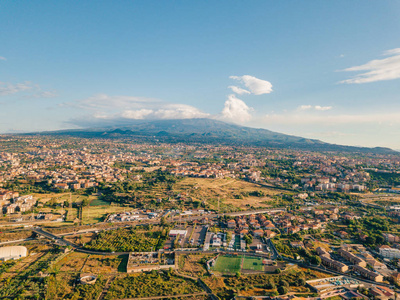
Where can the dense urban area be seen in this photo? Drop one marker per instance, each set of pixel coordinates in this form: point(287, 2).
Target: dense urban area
point(127, 219)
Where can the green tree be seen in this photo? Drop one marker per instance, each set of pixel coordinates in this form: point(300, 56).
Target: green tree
point(315, 260)
point(282, 290)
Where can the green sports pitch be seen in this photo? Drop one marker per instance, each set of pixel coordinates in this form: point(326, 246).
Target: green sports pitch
point(229, 264)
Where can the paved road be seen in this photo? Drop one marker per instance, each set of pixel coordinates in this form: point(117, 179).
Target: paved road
point(51, 236)
point(16, 241)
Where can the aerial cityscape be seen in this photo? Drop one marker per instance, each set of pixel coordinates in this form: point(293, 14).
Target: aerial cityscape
point(199, 150)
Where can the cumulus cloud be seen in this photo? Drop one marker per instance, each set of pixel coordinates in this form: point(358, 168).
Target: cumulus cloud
point(377, 70)
point(238, 90)
point(103, 107)
point(2, 58)
point(236, 110)
point(316, 107)
point(139, 114)
point(255, 86)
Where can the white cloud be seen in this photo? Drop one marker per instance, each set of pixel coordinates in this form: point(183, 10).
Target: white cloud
point(256, 86)
point(119, 108)
point(322, 108)
point(236, 110)
point(238, 90)
point(3, 58)
point(316, 107)
point(305, 107)
point(9, 88)
point(392, 51)
point(137, 114)
point(378, 69)
point(27, 89)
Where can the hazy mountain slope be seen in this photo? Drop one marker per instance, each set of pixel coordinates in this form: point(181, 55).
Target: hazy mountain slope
point(210, 131)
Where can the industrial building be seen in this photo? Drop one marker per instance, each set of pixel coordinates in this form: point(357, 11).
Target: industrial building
point(13, 252)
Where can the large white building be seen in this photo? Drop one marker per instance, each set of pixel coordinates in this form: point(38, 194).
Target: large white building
point(13, 252)
point(176, 232)
point(389, 253)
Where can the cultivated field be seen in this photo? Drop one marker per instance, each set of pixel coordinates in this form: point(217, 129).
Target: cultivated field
point(151, 285)
point(124, 240)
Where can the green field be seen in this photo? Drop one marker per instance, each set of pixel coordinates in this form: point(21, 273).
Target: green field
point(252, 263)
point(227, 264)
point(233, 264)
point(98, 202)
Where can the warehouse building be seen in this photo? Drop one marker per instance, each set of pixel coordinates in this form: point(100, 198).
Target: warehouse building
point(13, 252)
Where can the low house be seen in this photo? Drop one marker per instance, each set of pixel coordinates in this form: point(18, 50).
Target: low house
point(269, 233)
point(231, 224)
point(258, 233)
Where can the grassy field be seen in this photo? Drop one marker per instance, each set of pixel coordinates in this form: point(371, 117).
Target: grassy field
point(72, 214)
point(252, 263)
point(94, 214)
point(98, 202)
point(227, 264)
point(61, 197)
point(231, 264)
point(228, 190)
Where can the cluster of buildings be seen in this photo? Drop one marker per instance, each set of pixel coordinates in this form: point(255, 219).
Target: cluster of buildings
point(336, 184)
point(11, 202)
point(358, 265)
point(259, 225)
point(209, 170)
point(61, 165)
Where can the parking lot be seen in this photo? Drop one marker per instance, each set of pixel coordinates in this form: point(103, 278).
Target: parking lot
point(195, 236)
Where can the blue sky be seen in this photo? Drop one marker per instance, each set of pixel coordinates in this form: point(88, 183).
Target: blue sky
point(65, 64)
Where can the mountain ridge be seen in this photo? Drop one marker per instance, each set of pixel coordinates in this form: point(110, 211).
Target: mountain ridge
point(203, 130)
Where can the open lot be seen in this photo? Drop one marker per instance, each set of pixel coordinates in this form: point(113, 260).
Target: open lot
point(193, 264)
point(233, 193)
point(97, 213)
point(195, 236)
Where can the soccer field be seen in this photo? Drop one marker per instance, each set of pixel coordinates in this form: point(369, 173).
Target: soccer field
point(227, 264)
point(233, 264)
point(252, 263)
